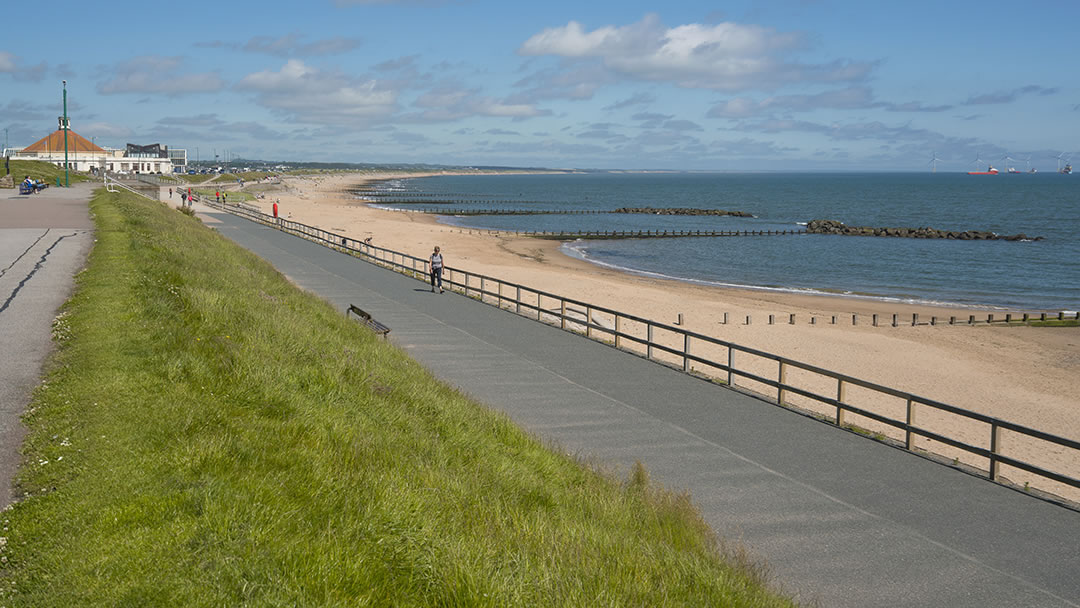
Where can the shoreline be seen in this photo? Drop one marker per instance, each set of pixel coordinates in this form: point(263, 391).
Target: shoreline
point(573, 249)
point(339, 191)
point(806, 291)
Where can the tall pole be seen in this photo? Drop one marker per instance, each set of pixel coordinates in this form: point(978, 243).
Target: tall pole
point(67, 181)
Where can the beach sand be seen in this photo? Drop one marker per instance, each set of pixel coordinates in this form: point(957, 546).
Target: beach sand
point(1024, 375)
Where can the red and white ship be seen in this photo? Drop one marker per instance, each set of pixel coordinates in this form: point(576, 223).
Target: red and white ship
point(989, 171)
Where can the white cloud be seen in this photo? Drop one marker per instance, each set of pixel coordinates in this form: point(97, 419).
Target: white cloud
point(289, 45)
point(157, 75)
point(849, 98)
point(637, 99)
point(9, 64)
point(449, 102)
point(200, 120)
point(725, 56)
point(104, 129)
point(311, 95)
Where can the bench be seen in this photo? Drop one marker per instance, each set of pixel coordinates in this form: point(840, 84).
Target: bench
point(366, 319)
point(24, 189)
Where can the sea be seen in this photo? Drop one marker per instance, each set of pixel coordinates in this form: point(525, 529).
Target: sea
point(1030, 274)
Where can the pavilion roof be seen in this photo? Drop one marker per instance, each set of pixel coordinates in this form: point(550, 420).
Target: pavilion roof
point(54, 142)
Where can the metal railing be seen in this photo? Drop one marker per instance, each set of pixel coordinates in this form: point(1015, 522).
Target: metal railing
point(111, 185)
point(683, 349)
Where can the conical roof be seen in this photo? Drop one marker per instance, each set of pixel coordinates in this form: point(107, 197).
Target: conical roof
point(55, 143)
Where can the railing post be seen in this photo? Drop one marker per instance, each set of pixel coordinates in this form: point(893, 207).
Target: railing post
point(686, 353)
point(648, 347)
point(517, 299)
point(730, 366)
point(995, 451)
point(909, 437)
point(782, 379)
point(840, 399)
point(616, 330)
point(539, 299)
point(481, 288)
point(500, 295)
point(562, 315)
point(588, 321)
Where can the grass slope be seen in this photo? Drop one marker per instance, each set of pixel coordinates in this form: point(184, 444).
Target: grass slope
point(208, 435)
point(41, 170)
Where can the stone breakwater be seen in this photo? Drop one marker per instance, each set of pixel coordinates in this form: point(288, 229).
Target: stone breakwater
point(834, 227)
point(680, 211)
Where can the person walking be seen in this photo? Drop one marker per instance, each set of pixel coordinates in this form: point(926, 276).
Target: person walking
point(183, 199)
point(436, 264)
point(170, 192)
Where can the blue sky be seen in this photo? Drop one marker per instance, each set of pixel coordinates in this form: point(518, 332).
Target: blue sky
point(779, 85)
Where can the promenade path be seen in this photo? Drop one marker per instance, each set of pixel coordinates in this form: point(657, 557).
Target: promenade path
point(840, 519)
point(44, 240)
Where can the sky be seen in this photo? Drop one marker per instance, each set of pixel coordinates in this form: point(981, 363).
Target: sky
point(783, 85)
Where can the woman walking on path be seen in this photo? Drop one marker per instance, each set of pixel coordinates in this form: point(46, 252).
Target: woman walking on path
point(436, 265)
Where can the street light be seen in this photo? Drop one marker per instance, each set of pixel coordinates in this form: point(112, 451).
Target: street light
point(67, 181)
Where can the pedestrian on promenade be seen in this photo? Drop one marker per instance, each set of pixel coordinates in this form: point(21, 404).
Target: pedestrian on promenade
point(217, 196)
point(224, 197)
point(183, 199)
point(170, 192)
point(436, 265)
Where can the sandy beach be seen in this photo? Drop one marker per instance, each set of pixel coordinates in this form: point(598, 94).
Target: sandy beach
point(1024, 375)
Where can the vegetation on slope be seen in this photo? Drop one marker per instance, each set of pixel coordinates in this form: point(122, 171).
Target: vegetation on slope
point(209, 435)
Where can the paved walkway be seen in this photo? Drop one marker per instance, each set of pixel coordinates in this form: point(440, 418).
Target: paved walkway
point(44, 240)
point(839, 519)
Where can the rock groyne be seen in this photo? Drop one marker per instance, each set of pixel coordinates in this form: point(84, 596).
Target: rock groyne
point(835, 227)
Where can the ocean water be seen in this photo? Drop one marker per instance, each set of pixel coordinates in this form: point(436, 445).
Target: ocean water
point(1028, 275)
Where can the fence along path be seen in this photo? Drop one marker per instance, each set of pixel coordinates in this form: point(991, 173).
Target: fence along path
point(999, 450)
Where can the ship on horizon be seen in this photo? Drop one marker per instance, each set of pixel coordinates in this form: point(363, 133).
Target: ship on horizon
point(989, 171)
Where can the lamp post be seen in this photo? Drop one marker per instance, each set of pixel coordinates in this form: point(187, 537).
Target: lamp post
point(67, 181)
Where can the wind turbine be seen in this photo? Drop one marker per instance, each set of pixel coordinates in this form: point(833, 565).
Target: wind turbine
point(978, 160)
point(934, 161)
point(1028, 161)
point(1008, 160)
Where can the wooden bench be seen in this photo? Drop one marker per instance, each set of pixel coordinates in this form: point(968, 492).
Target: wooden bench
point(366, 319)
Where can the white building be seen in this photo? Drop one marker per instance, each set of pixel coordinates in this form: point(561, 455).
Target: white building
point(84, 155)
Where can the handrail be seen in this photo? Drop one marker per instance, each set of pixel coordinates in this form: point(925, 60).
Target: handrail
point(418, 268)
point(111, 183)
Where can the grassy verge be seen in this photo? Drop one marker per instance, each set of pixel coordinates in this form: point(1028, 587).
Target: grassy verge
point(198, 178)
point(208, 435)
point(41, 170)
point(233, 196)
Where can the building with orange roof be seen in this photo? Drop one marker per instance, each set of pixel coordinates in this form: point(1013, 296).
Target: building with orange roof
point(84, 155)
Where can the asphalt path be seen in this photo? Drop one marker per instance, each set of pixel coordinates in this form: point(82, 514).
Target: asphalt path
point(44, 240)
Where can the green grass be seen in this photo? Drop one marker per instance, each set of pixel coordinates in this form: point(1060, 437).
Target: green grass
point(233, 196)
point(46, 172)
point(208, 435)
point(198, 178)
